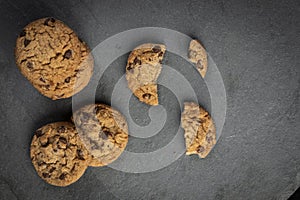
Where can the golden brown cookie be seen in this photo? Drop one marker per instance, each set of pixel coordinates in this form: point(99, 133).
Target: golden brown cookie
point(58, 155)
point(51, 56)
point(85, 69)
point(142, 70)
point(199, 130)
point(104, 132)
point(197, 55)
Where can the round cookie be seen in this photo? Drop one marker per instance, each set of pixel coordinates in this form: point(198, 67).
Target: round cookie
point(142, 70)
point(58, 155)
point(51, 56)
point(198, 55)
point(104, 132)
point(199, 130)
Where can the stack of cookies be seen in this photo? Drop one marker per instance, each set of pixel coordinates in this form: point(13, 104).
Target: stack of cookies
point(61, 151)
point(58, 64)
point(51, 56)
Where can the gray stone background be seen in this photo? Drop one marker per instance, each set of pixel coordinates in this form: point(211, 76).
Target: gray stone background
point(255, 45)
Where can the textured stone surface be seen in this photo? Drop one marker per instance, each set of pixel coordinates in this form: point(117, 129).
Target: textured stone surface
point(255, 45)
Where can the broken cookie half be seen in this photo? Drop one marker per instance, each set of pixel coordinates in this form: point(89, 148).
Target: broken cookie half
point(198, 56)
point(142, 71)
point(199, 130)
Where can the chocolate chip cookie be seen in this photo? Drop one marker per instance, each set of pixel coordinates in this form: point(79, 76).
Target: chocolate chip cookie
point(104, 132)
point(51, 56)
point(200, 132)
point(142, 70)
point(58, 155)
point(197, 55)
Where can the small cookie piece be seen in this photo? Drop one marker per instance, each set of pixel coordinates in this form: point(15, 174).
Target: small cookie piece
point(51, 56)
point(58, 155)
point(199, 130)
point(197, 55)
point(104, 132)
point(142, 70)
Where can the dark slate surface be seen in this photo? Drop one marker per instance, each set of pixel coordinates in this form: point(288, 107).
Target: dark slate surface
point(256, 47)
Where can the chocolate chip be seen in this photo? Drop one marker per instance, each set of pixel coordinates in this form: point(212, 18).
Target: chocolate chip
point(97, 109)
point(147, 96)
point(39, 133)
point(67, 80)
point(46, 21)
point(40, 163)
point(46, 175)
point(26, 42)
point(200, 149)
point(42, 79)
point(156, 49)
point(23, 33)
point(45, 144)
point(137, 61)
point(29, 65)
point(209, 139)
point(68, 54)
point(80, 154)
point(52, 169)
point(73, 168)
point(192, 54)
point(23, 60)
point(47, 87)
point(199, 64)
point(62, 176)
point(160, 54)
point(61, 129)
point(107, 133)
point(63, 140)
point(129, 68)
point(59, 96)
point(49, 19)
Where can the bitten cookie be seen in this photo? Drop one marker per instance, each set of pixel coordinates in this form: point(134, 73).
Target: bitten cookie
point(199, 130)
point(197, 55)
point(51, 56)
point(58, 155)
point(142, 70)
point(104, 132)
